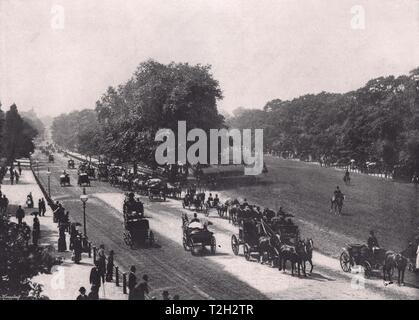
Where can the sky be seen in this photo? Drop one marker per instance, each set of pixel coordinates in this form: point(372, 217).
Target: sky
point(61, 55)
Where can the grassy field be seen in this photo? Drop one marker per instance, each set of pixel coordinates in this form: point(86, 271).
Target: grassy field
point(390, 208)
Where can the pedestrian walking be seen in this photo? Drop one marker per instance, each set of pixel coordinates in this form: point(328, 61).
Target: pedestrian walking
point(12, 178)
point(20, 214)
point(40, 207)
point(62, 244)
point(77, 249)
point(43, 208)
point(109, 267)
point(82, 295)
point(19, 168)
point(132, 283)
point(2, 207)
point(101, 261)
point(36, 230)
point(17, 177)
point(5, 203)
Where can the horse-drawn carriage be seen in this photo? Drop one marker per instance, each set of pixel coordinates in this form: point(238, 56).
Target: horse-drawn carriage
point(102, 172)
point(137, 228)
point(51, 158)
point(132, 205)
point(289, 232)
point(248, 238)
point(83, 179)
point(196, 236)
point(70, 164)
point(156, 189)
point(197, 200)
point(64, 180)
point(360, 255)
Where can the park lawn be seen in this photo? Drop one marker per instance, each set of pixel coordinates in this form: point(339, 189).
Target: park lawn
point(304, 189)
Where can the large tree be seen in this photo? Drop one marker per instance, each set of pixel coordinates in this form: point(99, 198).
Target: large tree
point(18, 136)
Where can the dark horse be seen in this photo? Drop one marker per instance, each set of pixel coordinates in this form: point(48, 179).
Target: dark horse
point(393, 261)
point(307, 253)
point(294, 256)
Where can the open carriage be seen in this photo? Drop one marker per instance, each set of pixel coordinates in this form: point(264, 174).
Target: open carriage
point(360, 255)
point(196, 236)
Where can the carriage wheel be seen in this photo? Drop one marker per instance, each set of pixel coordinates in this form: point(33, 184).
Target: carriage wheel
point(345, 262)
point(247, 252)
point(213, 245)
point(151, 238)
point(235, 244)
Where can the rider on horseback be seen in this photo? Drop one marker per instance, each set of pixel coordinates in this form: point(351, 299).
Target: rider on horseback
point(372, 243)
point(337, 194)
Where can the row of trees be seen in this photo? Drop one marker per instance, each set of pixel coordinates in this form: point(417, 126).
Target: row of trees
point(378, 122)
point(126, 119)
point(16, 134)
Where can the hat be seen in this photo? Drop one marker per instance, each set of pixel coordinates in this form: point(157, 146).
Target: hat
point(82, 290)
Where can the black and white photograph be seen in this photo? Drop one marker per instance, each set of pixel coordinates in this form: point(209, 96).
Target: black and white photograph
point(209, 150)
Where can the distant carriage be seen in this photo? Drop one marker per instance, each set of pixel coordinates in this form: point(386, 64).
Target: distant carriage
point(83, 179)
point(64, 180)
point(137, 229)
point(156, 189)
point(91, 172)
point(102, 172)
point(196, 237)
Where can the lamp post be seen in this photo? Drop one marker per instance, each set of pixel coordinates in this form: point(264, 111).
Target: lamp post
point(49, 183)
point(84, 197)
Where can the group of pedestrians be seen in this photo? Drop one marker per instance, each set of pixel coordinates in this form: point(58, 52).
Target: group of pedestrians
point(14, 175)
point(101, 272)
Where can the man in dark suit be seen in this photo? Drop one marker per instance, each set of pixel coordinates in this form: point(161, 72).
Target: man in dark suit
point(20, 214)
point(132, 282)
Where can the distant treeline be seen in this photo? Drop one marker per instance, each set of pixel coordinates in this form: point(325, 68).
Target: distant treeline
point(17, 132)
point(376, 123)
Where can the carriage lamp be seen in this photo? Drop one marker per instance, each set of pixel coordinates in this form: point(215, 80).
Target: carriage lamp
point(84, 197)
point(49, 183)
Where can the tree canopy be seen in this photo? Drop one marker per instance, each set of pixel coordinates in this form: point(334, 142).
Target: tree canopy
point(126, 119)
point(378, 122)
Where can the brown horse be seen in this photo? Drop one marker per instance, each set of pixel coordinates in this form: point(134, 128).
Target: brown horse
point(393, 261)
